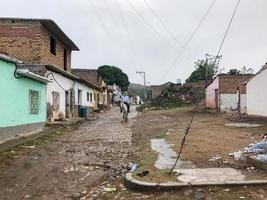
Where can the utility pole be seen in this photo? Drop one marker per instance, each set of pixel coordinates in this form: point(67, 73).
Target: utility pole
point(206, 70)
point(143, 74)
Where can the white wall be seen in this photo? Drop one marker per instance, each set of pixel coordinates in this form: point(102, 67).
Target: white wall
point(257, 95)
point(66, 83)
point(229, 102)
point(84, 89)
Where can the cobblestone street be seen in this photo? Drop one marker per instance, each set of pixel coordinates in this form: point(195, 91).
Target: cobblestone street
point(73, 164)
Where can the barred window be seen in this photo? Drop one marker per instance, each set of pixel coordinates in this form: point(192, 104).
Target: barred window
point(34, 98)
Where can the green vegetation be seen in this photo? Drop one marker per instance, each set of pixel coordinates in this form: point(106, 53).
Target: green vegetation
point(161, 135)
point(206, 68)
point(137, 90)
point(112, 74)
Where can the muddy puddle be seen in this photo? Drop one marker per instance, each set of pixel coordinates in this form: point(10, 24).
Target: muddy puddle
point(167, 156)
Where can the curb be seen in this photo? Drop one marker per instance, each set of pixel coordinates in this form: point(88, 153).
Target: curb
point(137, 185)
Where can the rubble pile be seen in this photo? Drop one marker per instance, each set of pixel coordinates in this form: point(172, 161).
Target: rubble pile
point(255, 153)
point(173, 97)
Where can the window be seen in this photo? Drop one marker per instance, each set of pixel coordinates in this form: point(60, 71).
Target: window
point(56, 100)
point(34, 98)
point(88, 96)
point(91, 97)
point(53, 45)
point(65, 60)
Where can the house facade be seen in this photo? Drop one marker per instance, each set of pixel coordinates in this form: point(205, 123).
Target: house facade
point(100, 96)
point(227, 92)
point(23, 99)
point(257, 94)
point(36, 41)
point(45, 49)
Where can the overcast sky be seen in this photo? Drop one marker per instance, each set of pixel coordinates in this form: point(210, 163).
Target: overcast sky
point(113, 33)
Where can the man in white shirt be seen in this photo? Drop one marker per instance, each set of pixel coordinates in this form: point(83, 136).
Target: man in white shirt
point(125, 100)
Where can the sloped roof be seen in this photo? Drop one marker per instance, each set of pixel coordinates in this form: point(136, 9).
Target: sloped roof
point(264, 67)
point(53, 28)
point(9, 59)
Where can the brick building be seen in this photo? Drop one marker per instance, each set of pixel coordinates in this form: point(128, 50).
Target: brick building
point(90, 75)
point(100, 93)
point(46, 50)
point(36, 41)
point(227, 92)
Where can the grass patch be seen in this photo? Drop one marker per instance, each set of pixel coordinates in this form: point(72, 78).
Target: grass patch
point(161, 135)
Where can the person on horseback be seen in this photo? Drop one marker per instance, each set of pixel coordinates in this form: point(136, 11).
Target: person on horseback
point(126, 101)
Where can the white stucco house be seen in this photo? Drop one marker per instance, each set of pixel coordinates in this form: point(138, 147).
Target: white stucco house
point(257, 94)
point(227, 92)
point(66, 94)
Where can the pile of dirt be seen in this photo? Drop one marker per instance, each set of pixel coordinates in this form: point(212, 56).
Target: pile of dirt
point(173, 97)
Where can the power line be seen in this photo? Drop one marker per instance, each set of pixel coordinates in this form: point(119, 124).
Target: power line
point(117, 27)
point(196, 108)
point(126, 28)
point(99, 19)
point(149, 25)
point(166, 27)
point(228, 28)
point(191, 36)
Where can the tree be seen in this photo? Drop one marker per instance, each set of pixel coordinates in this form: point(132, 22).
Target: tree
point(246, 70)
point(206, 69)
point(234, 72)
point(112, 74)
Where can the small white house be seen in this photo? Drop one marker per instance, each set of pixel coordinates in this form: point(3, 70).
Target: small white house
point(66, 94)
point(257, 94)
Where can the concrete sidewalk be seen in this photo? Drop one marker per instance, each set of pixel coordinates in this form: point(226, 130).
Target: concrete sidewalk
point(195, 177)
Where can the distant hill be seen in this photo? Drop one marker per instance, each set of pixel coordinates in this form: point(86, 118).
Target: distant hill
point(136, 89)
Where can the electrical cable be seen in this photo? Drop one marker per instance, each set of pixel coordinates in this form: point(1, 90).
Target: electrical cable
point(166, 27)
point(126, 28)
point(99, 19)
point(74, 82)
point(190, 38)
point(196, 108)
point(149, 25)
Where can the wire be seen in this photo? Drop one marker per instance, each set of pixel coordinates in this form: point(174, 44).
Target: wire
point(191, 37)
point(100, 20)
point(228, 28)
point(149, 25)
point(184, 138)
point(126, 28)
point(195, 111)
point(116, 27)
point(166, 27)
point(74, 82)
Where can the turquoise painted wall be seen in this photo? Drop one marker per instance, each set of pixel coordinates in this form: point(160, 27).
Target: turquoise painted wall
point(14, 98)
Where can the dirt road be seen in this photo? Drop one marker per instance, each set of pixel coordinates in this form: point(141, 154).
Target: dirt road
point(70, 166)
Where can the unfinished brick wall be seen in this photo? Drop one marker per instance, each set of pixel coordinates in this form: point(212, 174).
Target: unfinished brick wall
point(90, 75)
point(20, 40)
point(49, 58)
point(29, 41)
point(228, 83)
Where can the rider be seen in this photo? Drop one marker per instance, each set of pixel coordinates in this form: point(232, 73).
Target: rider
point(125, 100)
